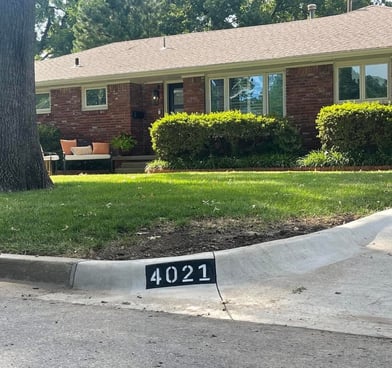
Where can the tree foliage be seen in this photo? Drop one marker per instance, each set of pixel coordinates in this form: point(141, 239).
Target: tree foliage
point(99, 22)
point(73, 25)
point(54, 20)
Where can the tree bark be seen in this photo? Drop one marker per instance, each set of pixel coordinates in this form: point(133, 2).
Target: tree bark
point(21, 162)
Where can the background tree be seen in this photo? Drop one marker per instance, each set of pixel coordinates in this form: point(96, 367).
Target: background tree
point(74, 25)
point(21, 162)
point(99, 22)
point(255, 12)
point(220, 14)
point(182, 16)
point(53, 24)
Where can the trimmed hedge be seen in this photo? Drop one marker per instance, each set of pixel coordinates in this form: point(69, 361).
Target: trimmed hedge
point(211, 163)
point(358, 129)
point(195, 137)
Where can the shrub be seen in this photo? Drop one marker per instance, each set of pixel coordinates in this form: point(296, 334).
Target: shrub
point(322, 158)
point(157, 165)
point(123, 142)
point(197, 137)
point(358, 129)
point(272, 160)
point(372, 159)
point(211, 163)
point(49, 137)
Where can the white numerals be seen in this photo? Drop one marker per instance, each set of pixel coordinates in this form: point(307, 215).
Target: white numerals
point(203, 268)
point(189, 270)
point(171, 275)
point(156, 277)
point(180, 273)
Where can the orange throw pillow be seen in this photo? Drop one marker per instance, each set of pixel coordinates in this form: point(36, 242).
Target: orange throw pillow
point(100, 148)
point(67, 144)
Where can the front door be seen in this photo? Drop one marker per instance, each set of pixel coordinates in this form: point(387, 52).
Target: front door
point(176, 97)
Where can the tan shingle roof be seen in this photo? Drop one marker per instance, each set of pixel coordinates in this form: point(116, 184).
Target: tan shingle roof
point(365, 31)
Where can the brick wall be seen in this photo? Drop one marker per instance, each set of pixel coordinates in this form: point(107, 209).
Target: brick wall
point(194, 94)
point(101, 125)
point(308, 89)
point(141, 100)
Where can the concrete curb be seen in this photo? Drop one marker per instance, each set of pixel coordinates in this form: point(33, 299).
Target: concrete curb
point(240, 265)
point(300, 254)
point(54, 270)
point(126, 276)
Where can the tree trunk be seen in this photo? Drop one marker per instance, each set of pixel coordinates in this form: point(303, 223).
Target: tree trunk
point(21, 162)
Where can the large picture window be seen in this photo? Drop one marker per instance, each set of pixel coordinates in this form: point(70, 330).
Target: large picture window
point(363, 82)
point(259, 94)
point(246, 94)
point(95, 98)
point(42, 102)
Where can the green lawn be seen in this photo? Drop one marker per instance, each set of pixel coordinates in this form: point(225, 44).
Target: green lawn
point(87, 211)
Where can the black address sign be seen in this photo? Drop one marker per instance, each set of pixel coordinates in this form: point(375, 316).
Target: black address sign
point(200, 271)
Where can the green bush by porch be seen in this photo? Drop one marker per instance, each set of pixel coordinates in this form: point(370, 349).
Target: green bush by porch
point(357, 129)
point(194, 138)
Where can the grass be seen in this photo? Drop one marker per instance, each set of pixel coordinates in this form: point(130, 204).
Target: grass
point(89, 211)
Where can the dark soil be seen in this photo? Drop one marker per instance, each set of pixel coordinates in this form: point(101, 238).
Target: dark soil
point(167, 239)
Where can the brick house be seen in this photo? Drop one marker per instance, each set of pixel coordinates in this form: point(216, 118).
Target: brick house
point(291, 69)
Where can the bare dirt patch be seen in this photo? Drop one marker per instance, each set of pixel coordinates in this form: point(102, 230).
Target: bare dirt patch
point(167, 239)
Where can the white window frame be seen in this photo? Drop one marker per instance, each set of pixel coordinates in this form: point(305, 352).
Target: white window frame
point(46, 110)
point(362, 79)
point(86, 107)
point(226, 77)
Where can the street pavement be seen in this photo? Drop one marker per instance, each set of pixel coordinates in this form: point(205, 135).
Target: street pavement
point(37, 331)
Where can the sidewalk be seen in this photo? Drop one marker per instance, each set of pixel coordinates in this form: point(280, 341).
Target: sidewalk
point(338, 279)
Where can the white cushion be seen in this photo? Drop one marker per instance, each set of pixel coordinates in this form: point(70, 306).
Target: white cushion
point(82, 150)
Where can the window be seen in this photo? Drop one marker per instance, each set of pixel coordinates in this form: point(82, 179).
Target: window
point(275, 94)
point(95, 98)
point(349, 83)
point(246, 94)
point(42, 102)
point(176, 97)
point(217, 95)
point(363, 82)
point(258, 93)
point(376, 81)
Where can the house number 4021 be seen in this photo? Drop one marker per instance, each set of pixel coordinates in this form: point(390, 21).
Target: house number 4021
point(201, 271)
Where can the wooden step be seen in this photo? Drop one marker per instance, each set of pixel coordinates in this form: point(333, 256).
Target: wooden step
point(127, 170)
point(131, 164)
